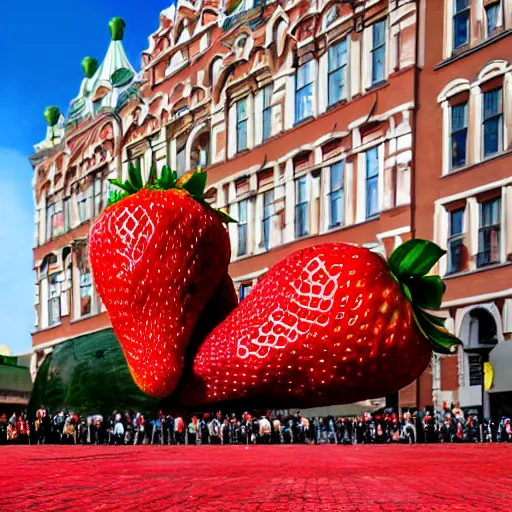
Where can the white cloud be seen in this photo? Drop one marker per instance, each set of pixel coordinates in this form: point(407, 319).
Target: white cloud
point(16, 240)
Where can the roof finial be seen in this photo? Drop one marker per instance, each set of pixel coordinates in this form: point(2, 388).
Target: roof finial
point(117, 26)
point(52, 114)
point(90, 66)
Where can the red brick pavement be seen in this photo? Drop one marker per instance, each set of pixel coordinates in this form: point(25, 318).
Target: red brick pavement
point(260, 478)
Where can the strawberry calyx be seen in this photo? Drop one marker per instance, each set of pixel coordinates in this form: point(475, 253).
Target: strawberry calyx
point(193, 182)
point(409, 265)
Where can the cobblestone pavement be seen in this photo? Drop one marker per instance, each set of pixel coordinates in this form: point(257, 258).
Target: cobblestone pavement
point(260, 478)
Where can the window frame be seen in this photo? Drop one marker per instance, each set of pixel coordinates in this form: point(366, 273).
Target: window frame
point(373, 178)
point(455, 238)
point(490, 118)
point(242, 122)
point(246, 287)
point(300, 90)
point(377, 48)
point(338, 190)
point(498, 6)
point(85, 284)
point(485, 257)
point(331, 73)
point(465, 12)
point(301, 208)
point(50, 213)
point(242, 249)
point(266, 113)
point(457, 131)
point(266, 218)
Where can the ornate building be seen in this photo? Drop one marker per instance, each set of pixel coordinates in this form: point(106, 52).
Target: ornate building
point(302, 112)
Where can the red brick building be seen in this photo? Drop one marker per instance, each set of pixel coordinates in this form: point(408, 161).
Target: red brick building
point(304, 115)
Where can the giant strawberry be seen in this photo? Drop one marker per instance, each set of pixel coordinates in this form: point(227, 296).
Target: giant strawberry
point(332, 323)
point(158, 253)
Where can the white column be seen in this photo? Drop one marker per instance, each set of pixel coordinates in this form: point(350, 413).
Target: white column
point(76, 291)
point(289, 230)
point(314, 209)
point(232, 131)
point(251, 241)
point(445, 106)
point(354, 68)
point(250, 121)
point(349, 196)
point(504, 224)
point(233, 212)
point(361, 188)
point(507, 215)
point(325, 208)
point(314, 69)
point(507, 109)
point(258, 216)
point(43, 303)
point(380, 180)
point(323, 92)
point(289, 103)
point(475, 104)
point(441, 233)
point(472, 230)
point(258, 117)
point(42, 219)
point(448, 29)
point(367, 60)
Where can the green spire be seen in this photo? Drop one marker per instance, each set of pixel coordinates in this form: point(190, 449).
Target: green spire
point(90, 66)
point(52, 114)
point(117, 26)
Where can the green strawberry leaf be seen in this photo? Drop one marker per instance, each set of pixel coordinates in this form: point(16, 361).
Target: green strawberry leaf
point(442, 341)
point(224, 216)
point(195, 185)
point(437, 320)
point(135, 176)
point(126, 186)
point(164, 177)
point(414, 258)
point(427, 292)
point(152, 174)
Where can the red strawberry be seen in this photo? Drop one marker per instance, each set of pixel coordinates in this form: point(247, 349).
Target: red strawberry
point(157, 256)
point(332, 323)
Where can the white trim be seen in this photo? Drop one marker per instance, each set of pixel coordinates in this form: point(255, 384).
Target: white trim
point(474, 191)
point(252, 275)
point(453, 88)
point(394, 232)
point(477, 298)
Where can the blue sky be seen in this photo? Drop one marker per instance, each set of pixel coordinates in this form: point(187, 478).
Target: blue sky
point(42, 44)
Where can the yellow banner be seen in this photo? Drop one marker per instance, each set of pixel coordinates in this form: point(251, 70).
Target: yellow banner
point(488, 376)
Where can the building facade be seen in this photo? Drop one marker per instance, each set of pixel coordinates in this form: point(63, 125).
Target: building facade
point(307, 116)
point(463, 180)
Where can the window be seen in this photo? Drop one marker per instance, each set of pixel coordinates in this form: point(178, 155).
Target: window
point(181, 162)
point(461, 23)
point(338, 59)
point(494, 14)
point(301, 208)
point(304, 92)
point(336, 196)
point(50, 210)
point(67, 215)
point(475, 369)
point(489, 233)
point(493, 122)
point(456, 241)
point(268, 210)
point(244, 290)
point(267, 112)
point(58, 219)
point(98, 203)
point(372, 182)
point(53, 301)
point(83, 210)
point(241, 125)
point(242, 228)
point(85, 292)
point(379, 52)
point(459, 134)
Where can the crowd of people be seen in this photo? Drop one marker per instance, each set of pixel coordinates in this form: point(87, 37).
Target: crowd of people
point(449, 426)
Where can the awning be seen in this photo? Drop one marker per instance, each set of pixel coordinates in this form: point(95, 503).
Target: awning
point(355, 409)
point(500, 358)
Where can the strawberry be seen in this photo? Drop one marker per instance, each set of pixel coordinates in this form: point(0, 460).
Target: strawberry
point(158, 252)
point(330, 324)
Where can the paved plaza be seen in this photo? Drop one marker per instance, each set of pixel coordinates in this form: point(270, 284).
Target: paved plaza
point(258, 478)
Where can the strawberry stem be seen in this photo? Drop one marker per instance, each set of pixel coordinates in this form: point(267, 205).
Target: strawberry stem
point(409, 263)
point(193, 182)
